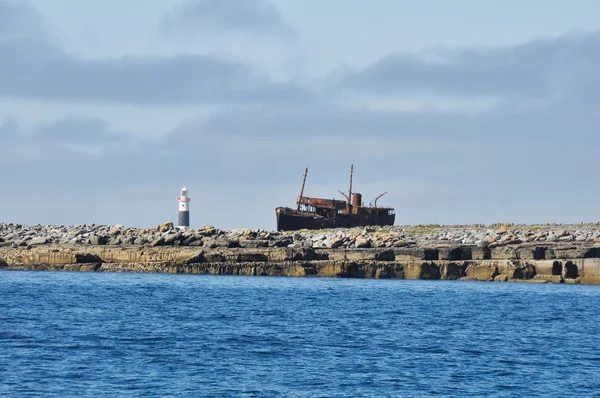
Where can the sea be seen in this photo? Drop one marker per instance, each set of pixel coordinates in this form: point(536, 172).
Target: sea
point(158, 335)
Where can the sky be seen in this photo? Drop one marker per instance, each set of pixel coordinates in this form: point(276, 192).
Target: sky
point(464, 111)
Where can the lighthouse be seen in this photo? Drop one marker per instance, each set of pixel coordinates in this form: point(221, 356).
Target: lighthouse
point(184, 209)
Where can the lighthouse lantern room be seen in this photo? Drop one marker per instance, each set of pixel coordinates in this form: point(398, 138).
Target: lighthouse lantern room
point(184, 209)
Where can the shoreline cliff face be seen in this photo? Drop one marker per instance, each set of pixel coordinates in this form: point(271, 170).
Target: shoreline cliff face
point(557, 263)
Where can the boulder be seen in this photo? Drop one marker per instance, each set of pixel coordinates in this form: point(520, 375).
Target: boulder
point(307, 244)
point(116, 230)
point(209, 243)
point(158, 241)
point(38, 241)
point(115, 241)
point(253, 243)
point(97, 239)
point(170, 239)
point(362, 243)
point(164, 227)
point(335, 243)
point(140, 241)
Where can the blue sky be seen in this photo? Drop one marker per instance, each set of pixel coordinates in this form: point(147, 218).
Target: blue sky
point(464, 111)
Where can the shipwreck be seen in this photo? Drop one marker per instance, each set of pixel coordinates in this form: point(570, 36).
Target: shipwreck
point(320, 213)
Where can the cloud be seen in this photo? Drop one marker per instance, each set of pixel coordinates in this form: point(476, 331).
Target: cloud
point(9, 130)
point(251, 17)
point(33, 69)
point(84, 134)
point(543, 69)
point(19, 18)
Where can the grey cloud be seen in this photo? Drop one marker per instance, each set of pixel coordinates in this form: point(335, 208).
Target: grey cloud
point(79, 129)
point(34, 69)
point(540, 69)
point(19, 18)
point(254, 17)
point(318, 121)
point(9, 130)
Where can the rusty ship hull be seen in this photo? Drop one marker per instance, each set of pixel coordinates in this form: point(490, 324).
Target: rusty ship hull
point(321, 213)
point(292, 220)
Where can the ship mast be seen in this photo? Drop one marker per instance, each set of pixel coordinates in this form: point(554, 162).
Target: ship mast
point(302, 190)
point(350, 190)
point(349, 195)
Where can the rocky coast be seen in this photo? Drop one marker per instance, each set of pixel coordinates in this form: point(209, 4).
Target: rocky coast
point(502, 252)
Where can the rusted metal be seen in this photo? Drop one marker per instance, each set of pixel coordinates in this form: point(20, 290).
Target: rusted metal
point(319, 213)
point(375, 205)
point(302, 189)
point(350, 189)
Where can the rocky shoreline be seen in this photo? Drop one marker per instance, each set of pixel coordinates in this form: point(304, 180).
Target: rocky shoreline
point(535, 253)
point(17, 235)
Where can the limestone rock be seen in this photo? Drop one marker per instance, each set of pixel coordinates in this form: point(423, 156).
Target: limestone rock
point(38, 241)
point(362, 243)
point(97, 240)
point(164, 227)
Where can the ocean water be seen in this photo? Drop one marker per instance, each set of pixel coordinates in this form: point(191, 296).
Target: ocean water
point(101, 334)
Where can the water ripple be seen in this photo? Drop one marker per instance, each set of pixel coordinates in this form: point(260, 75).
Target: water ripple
point(71, 334)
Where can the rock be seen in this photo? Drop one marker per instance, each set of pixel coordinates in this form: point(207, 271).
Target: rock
point(566, 238)
point(127, 240)
point(489, 239)
point(11, 236)
point(253, 243)
point(38, 241)
point(187, 241)
point(222, 242)
point(335, 243)
point(207, 230)
point(164, 227)
point(208, 242)
point(97, 240)
point(170, 239)
point(117, 229)
point(501, 278)
point(362, 243)
point(514, 241)
point(158, 242)
point(140, 241)
point(307, 244)
point(114, 241)
point(285, 242)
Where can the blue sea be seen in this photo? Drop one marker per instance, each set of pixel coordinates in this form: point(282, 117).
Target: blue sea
point(156, 335)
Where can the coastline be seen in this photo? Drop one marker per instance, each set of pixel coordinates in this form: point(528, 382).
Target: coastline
point(525, 263)
point(546, 254)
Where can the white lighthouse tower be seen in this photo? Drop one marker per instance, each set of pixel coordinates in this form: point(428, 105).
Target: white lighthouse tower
point(184, 209)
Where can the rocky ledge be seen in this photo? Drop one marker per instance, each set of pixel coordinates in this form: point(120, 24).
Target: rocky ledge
point(535, 253)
